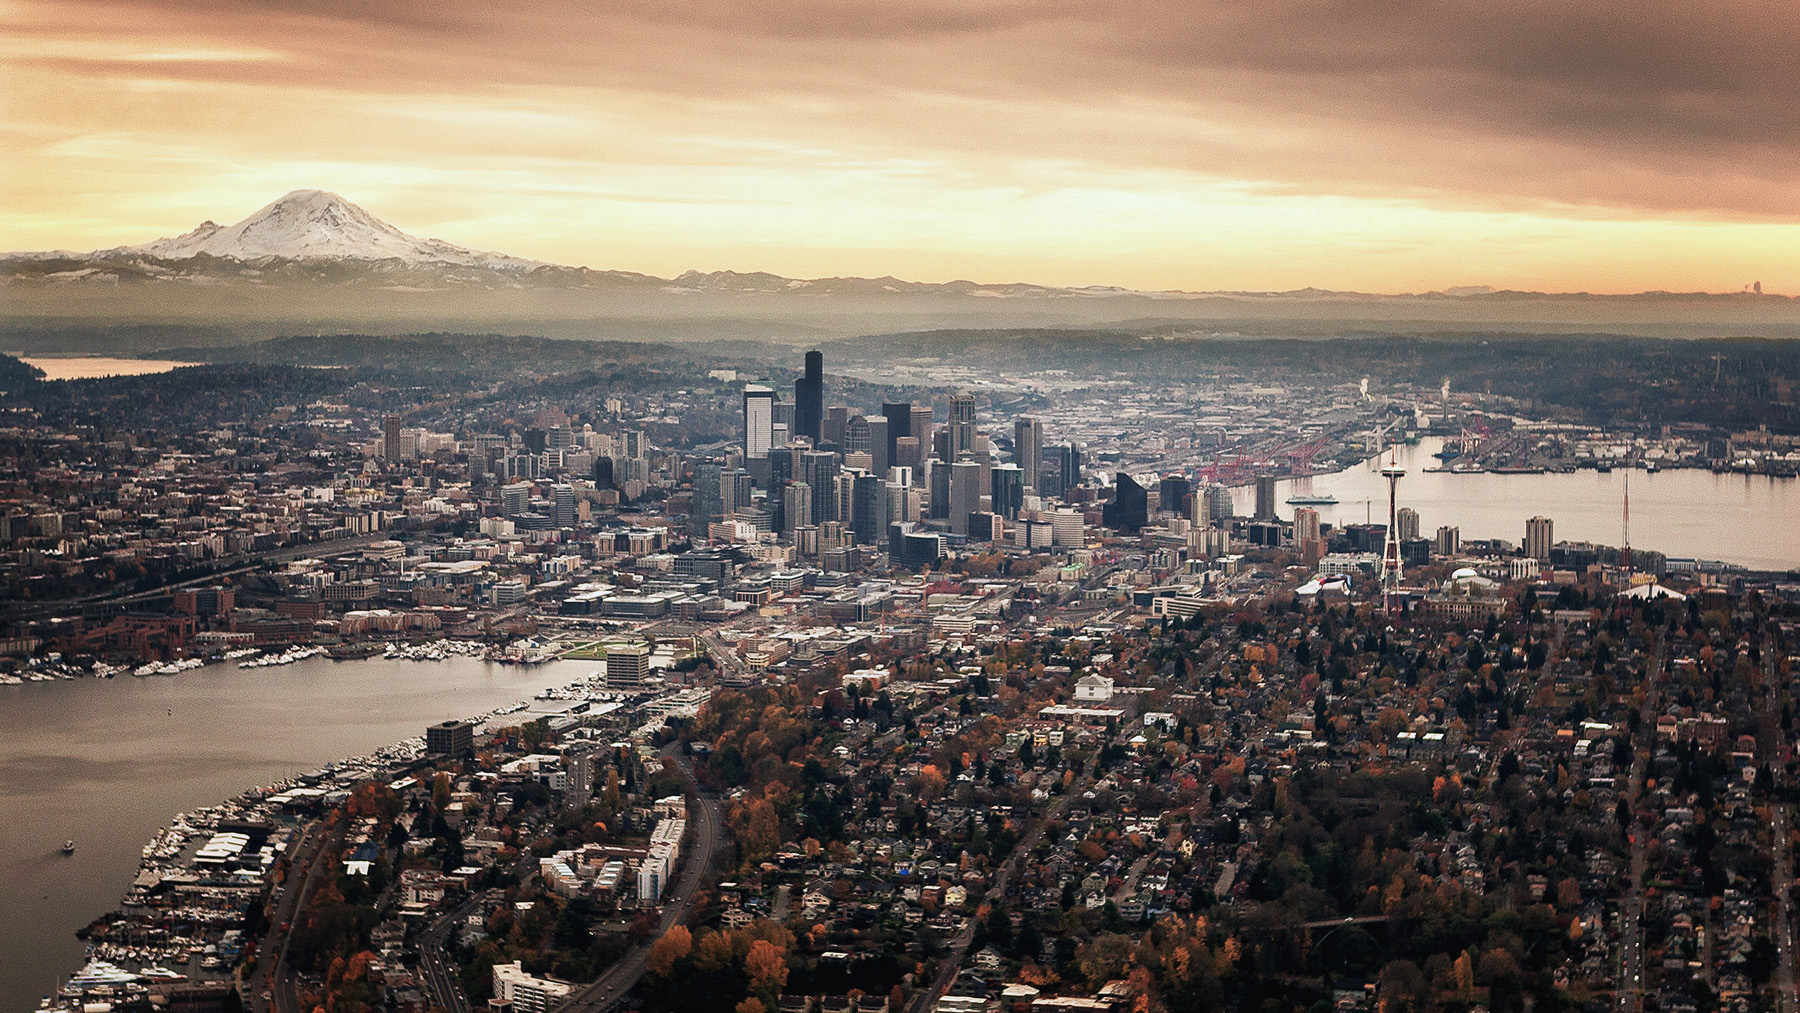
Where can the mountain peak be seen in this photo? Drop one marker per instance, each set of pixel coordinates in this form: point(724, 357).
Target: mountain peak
point(312, 204)
point(318, 225)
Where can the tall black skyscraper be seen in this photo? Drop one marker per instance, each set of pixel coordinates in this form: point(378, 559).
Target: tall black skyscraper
point(781, 472)
point(899, 422)
point(1173, 491)
point(809, 397)
point(1007, 485)
point(865, 508)
point(819, 470)
point(1129, 509)
point(1069, 457)
point(880, 447)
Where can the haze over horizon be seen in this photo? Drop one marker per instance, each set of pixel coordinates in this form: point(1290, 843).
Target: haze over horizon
point(1226, 146)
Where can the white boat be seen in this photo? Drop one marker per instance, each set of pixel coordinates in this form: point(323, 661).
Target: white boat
point(163, 974)
point(100, 972)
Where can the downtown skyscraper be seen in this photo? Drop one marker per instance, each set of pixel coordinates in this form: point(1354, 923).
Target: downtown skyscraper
point(1028, 448)
point(759, 420)
point(809, 397)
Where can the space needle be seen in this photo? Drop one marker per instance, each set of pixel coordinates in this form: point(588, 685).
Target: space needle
point(1390, 555)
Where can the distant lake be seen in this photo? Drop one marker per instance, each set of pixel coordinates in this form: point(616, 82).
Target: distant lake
point(87, 367)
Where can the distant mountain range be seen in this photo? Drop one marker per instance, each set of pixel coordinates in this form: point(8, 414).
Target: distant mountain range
point(313, 261)
point(316, 236)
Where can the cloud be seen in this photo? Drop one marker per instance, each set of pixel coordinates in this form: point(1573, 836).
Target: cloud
point(1561, 110)
point(1655, 106)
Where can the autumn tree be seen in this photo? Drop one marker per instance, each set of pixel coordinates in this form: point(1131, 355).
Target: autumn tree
point(766, 968)
point(929, 785)
point(757, 828)
point(674, 945)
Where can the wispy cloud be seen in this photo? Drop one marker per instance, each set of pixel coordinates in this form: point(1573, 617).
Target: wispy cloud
point(1175, 142)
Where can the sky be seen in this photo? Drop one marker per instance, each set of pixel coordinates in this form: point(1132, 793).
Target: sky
point(1375, 145)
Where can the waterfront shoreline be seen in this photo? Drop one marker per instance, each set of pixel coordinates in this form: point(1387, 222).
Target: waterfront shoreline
point(153, 747)
point(1682, 513)
point(169, 853)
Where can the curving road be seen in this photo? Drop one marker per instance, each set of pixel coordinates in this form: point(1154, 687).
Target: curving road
point(706, 821)
point(434, 968)
point(274, 977)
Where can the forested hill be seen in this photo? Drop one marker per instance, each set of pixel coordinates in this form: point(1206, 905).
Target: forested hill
point(501, 354)
point(1608, 379)
point(15, 373)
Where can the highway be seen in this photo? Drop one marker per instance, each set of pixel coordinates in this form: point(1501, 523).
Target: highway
point(273, 974)
point(243, 564)
point(706, 822)
point(434, 970)
point(1631, 905)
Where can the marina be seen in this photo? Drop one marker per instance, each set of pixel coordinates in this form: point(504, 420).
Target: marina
point(107, 764)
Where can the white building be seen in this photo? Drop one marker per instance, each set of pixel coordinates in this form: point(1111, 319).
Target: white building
point(528, 993)
point(656, 869)
point(1067, 528)
point(1349, 564)
point(759, 420)
point(1093, 688)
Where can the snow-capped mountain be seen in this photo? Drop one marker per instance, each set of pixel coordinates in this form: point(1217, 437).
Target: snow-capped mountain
point(308, 225)
point(313, 240)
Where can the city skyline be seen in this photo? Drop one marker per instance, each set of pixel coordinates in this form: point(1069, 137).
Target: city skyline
point(1191, 148)
point(920, 506)
point(761, 610)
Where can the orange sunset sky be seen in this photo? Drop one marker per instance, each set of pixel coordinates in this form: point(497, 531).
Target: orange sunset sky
point(1380, 145)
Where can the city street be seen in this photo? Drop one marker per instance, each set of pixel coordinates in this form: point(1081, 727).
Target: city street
point(1783, 914)
point(706, 828)
point(274, 976)
point(952, 960)
point(439, 979)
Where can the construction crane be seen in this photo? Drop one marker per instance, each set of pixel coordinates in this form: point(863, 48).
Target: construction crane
point(1378, 437)
point(1300, 459)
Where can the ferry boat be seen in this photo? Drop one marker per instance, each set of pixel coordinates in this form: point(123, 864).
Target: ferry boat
point(1308, 499)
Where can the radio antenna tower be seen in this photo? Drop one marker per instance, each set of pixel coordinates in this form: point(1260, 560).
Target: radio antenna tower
point(1390, 555)
point(1625, 550)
